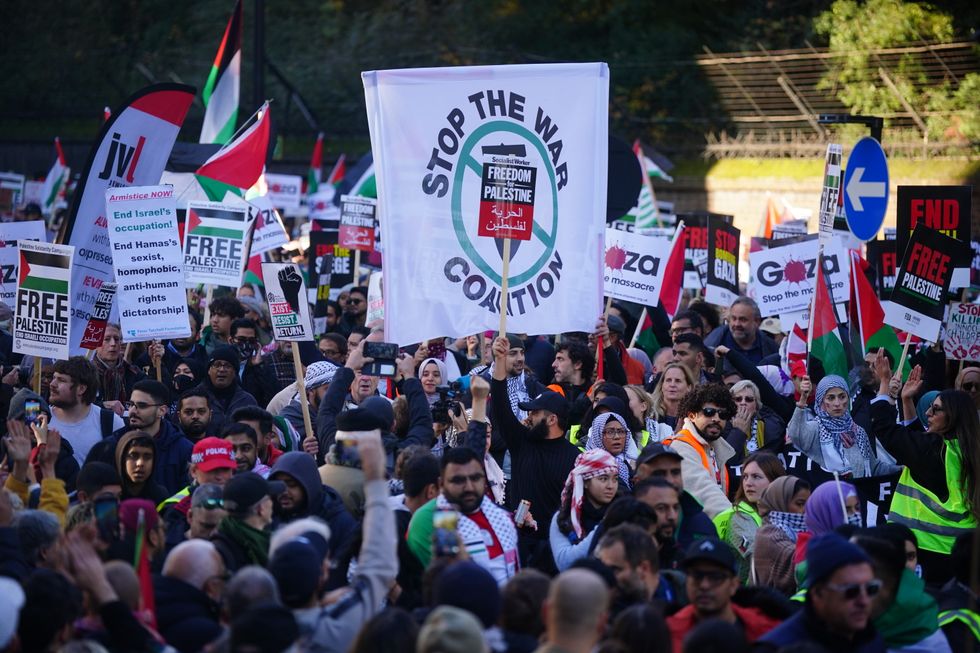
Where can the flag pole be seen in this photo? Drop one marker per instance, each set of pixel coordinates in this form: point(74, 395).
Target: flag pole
point(504, 289)
point(639, 326)
point(304, 401)
point(905, 352)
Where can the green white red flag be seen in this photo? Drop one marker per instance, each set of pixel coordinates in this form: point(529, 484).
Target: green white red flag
point(316, 166)
point(339, 171)
point(868, 329)
point(221, 91)
point(239, 164)
point(825, 341)
point(56, 181)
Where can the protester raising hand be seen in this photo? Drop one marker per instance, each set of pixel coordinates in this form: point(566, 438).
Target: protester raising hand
point(805, 388)
point(501, 345)
point(910, 391)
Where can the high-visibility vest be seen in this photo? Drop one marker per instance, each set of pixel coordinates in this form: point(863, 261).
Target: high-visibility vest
point(576, 429)
point(969, 618)
point(936, 523)
point(688, 438)
point(174, 500)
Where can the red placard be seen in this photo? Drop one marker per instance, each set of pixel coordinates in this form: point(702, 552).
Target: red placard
point(357, 222)
point(507, 198)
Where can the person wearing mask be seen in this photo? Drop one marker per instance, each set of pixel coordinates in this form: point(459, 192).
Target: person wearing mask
point(116, 375)
point(938, 493)
point(738, 525)
point(610, 433)
point(824, 512)
point(188, 373)
point(306, 496)
point(485, 530)
point(541, 457)
point(830, 437)
point(754, 426)
point(81, 422)
point(194, 414)
point(225, 393)
point(224, 310)
point(148, 410)
point(590, 488)
point(672, 386)
point(783, 505)
point(836, 614)
point(706, 411)
point(255, 378)
point(243, 536)
point(712, 580)
point(136, 455)
point(742, 333)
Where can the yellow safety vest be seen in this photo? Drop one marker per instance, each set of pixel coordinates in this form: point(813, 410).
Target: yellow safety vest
point(936, 523)
point(970, 618)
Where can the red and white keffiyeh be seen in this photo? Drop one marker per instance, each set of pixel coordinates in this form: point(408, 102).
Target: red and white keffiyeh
point(589, 464)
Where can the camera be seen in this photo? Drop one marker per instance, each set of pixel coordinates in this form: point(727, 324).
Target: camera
point(384, 355)
point(448, 401)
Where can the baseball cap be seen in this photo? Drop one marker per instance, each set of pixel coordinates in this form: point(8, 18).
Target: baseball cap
point(246, 489)
point(548, 400)
point(319, 373)
point(655, 450)
point(771, 326)
point(212, 453)
point(710, 549)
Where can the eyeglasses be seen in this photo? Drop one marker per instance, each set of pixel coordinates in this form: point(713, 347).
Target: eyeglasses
point(354, 302)
point(222, 365)
point(970, 387)
point(852, 590)
point(139, 405)
point(935, 409)
point(713, 577)
point(708, 411)
point(461, 480)
point(615, 433)
point(744, 400)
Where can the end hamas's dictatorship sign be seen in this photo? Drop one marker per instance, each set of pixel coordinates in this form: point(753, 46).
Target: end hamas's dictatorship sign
point(43, 321)
point(513, 151)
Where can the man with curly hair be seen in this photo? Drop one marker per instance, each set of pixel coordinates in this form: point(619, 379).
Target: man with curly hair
point(706, 410)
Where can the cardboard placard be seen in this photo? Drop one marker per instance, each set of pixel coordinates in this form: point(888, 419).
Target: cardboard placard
point(634, 266)
point(830, 195)
point(270, 233)
point(357, 222)
point(42, 321)
point(883, 257)
point(962, 340)
point(95, 329)
point(945, 209)
point(721, 286)
point(216, 243)
point(783, 276)
point(288, 308)
point(507, 197)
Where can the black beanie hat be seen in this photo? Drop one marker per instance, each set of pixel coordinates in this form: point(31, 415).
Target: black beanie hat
point(225, 353)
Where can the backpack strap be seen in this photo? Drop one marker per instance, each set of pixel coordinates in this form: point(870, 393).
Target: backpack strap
point(106, 417)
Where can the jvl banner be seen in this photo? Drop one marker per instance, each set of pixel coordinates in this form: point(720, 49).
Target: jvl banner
point(946, 209)
point(919, 299)
point(42, 323)
point(131, 150)
point(357, 222)
point(288, 307)
point(216, 243)
point(722, 279)
point(962, 341)
point(10, 233)
point(95, 329)
point(784, 275)
point(147, 260)
point(634, 266)
point(525, 146)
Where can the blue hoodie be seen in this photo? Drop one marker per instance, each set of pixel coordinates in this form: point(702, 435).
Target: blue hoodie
point(173, 455)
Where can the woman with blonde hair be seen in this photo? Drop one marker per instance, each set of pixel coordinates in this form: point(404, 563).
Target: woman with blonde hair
point(675, 382)
point(641, 405)
point(754, 427)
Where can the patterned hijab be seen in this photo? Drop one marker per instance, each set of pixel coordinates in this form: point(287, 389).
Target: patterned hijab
point(840, 432)
point(775, 502)
point(630, 452)
point(589, 464)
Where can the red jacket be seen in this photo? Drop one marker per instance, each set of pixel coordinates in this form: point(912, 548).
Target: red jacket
point(754, 622)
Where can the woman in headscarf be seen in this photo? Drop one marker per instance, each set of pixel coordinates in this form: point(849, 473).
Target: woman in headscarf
point(783, 504)
point(589, 489)
point(919, 409)
point(136, 455)
point(830, 437)
point(432, 374)
point(832, 504)
point(610, 432)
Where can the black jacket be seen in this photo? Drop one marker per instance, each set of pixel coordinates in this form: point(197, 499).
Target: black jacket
point(187, 618)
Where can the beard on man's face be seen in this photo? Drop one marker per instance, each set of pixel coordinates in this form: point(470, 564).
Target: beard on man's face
point(539, 430)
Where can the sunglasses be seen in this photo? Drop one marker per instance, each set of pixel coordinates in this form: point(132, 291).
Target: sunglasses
point(852, 590)
point(970, 387)
point(711, 412)
point(354, 302)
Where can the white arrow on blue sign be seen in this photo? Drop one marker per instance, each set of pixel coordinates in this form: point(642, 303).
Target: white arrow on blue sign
point(866, 189)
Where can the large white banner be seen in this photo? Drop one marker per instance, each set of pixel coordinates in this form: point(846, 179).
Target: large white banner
point(434, 134)
point(634, 266)
point(284, 191)
point(10, 233)
point(148, 263)
point(784, 277)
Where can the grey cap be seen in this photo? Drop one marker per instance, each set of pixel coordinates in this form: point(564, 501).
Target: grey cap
point(208, 495)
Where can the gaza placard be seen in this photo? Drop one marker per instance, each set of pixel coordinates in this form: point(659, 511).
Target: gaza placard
point(634, 266)
point(147, 262)
point(784, 276)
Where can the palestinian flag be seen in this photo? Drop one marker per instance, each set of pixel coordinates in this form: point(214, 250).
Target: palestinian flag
point(253, 271)
point(205, 221)
point(56, 181)
point(654, 164)
point(673, 283)
point(365, 185)
point(44, 272)
point(239, 164)
point(339, 171)
point(825, 341)
point(221, 91)
point(316, 166)
point(868, 329)
point(141, 565)
point(796, 344)
point(646, 340)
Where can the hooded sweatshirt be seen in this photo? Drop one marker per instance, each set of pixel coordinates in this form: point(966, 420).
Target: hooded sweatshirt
point(912, 618)
point(150, 490)
point(321, 500)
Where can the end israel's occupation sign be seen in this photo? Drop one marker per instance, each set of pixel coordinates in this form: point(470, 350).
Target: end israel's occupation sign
point(495, 151)
point(866, 189)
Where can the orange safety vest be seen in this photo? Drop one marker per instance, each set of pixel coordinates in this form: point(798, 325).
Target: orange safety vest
point(687, 437)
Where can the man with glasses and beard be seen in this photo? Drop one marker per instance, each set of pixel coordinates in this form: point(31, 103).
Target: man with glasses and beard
point(706, 410)
point(541, 458)
point(486, 530)
point(82, 423)
point(148, 406)
point(355, 310)
point(222, 385)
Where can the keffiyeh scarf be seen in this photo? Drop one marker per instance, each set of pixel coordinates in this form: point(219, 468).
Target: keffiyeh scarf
point(591, 463)
point(790, 523)
point(472, 535)
point(839, 432)
point(516, 393)
point(629, 452)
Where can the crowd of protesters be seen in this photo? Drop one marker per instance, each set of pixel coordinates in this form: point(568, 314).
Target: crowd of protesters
point(497, 493)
